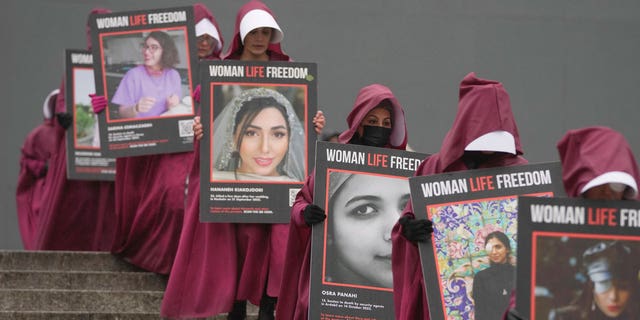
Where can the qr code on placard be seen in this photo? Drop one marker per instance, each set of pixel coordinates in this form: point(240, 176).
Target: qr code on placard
point(185, 128)
point(292, 195)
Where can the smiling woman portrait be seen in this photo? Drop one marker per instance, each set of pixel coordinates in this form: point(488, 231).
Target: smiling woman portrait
point(258, 136)
point(492, 286)
point(154, 87)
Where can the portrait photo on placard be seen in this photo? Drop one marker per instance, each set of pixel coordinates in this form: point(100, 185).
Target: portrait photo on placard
point(259, 133)
point(475, 247)
point(586, 276)
point(147, 74)
point(362, 209)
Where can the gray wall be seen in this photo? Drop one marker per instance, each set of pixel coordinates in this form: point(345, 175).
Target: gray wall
point(565, 63)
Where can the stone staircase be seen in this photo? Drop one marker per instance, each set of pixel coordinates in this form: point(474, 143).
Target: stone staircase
point(79, 285)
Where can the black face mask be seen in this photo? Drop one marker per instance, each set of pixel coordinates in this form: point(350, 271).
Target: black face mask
point(375, 136)
point(474, 159)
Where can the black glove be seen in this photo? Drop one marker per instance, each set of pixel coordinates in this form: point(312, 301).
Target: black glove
point(514, 315)
point(416, 230)
point(313, 214)
point(64, 119)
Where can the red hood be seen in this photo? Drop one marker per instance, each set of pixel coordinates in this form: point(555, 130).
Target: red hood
point(483, 107)
point(590, 152)
point(368, 98)
point(275, 50)
point(200, 12)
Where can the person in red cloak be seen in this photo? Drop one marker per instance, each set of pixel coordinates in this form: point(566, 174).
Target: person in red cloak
point(256, 20)
point(75, 214)
point(597, 163)
point(483, 135)
point(189, 292)
point(209, 39)
point(150, 189)
point(366, 127)
point(260, 247)
point(202, 284)
point(34, 162)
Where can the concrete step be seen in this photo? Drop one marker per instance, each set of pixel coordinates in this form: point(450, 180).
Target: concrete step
point(80, 285)
point(81, 280)
point(93, 301)
point(44, 315)
point(36, 315)
point(64, 261)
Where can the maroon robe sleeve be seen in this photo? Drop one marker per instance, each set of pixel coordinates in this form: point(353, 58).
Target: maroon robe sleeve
point(409, 295)
point(512, 305)
point(293, 303)
point(408, 285)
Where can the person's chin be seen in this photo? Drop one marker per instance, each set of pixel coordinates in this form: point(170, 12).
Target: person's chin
point(497, 261)
point(384, 256)
point(266, 172)
point(384, 261)
point(614, 310)
point(204, 53)
point(258, 50)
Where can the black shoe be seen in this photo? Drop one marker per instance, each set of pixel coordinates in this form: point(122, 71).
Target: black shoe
point(267, 308)
point(239, 311)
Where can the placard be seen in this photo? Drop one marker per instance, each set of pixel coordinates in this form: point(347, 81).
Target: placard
point(259, 137)
point(363, 191)
point(84, 157)
point(566, 244)
point(469, 264)
point(144, 65)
